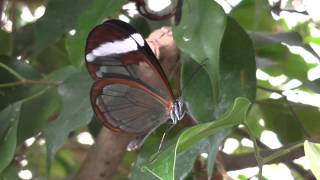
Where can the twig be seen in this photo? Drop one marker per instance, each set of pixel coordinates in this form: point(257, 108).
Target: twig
point(23, 81)
point(257, 155)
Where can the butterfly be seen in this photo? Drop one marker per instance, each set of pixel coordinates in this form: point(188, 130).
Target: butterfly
point(131, 92)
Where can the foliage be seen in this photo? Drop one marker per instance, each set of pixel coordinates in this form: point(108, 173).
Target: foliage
point(44, 86)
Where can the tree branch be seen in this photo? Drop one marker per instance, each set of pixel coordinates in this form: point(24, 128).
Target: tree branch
point(236, 161)
point(104, 156)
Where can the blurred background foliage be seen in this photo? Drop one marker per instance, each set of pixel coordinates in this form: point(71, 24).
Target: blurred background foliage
point(266, 51)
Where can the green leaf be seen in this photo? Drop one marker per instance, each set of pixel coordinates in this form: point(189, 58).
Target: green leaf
point(261, 39)
point(214, 144)
point(10, 173)
point(76, 111)
point(41, 108)
point(5, 43)
point(312, 151)
point(9, 140)
point(260, 18)
point(237, 65)
point(62, 73)
point(237, 74)
point(98, 11)
point(164, 166)
point(52, 58)
point(184, 161)
point(15, 93)
point(199, 35)
point(287, 126)
point(284, 62)
point(59, 18)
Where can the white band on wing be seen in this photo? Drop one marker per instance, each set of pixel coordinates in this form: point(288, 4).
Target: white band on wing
point(117, 47)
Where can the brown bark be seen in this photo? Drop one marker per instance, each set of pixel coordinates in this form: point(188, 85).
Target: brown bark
point(235, 162)
point(104, 156)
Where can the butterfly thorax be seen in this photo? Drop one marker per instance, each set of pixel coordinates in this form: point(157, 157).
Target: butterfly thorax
point(177, 111)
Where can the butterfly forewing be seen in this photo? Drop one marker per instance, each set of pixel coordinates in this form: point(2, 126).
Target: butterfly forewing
point(116, 48)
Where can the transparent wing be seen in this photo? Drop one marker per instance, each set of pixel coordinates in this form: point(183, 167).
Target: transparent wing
point(115, 48)
point(126, 105)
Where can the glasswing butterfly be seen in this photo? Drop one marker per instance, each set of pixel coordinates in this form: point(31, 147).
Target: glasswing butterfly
point(131, 92)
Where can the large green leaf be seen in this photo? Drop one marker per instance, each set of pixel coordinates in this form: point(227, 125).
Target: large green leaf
point(237, 65)
point(9, 139)
point(237, 77)
point(98, 11)
point(199, 35)
point(76, 111)
point(312, 151)
point(59, 18)
point(285, 124)
point(184, 161)
point(164, 166)
point(37, 111)
point(52, 58)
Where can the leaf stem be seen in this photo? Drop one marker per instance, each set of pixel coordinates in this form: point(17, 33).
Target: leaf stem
point(13, 72)
point(257, 154)
point(28, 81)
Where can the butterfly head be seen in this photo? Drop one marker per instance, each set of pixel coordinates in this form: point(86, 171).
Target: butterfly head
point(177, 111)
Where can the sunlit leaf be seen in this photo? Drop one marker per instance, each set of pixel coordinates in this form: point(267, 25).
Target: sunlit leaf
point(312, 151)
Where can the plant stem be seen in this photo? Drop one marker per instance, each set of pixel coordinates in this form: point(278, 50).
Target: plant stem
point(13, 72)
point(28, 81)
point(257, 155)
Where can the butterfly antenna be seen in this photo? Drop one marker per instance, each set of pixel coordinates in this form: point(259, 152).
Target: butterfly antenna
point(163, 136)
point(195, 72)
point(161, 142)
